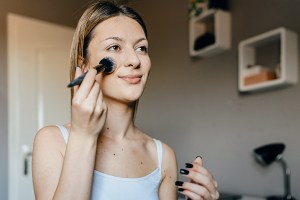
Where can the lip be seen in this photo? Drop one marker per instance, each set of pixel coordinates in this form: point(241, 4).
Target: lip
point(131, 78)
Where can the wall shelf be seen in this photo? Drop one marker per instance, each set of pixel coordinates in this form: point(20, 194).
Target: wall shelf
point(210, 33)
point(278, 70)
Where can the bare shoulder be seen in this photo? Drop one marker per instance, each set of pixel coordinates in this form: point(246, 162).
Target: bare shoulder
point(169, 162)
point(169, 158)
point(47, 161)
point(47, 131)
point(50, 137)
point(168, 151)
point(167, 189)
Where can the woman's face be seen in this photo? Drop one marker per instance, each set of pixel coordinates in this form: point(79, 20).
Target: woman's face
point(124, 40)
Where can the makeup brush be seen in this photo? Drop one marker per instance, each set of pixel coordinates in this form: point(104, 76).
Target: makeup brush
point(106, 65)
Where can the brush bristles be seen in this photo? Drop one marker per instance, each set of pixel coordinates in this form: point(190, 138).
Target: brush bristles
point(108, 63)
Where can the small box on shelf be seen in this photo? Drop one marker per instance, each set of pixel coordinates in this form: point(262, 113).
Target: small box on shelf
point(259, 78)
point(285, 72)
point(257, 74)
point(210, 33)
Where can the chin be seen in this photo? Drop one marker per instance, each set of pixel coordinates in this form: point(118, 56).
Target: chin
point(133, 93)
point(133, 97)
point(125, 97)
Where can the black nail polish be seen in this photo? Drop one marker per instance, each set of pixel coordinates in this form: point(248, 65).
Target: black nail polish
point(188, 165)
point(179, 183)
point(184, 171)
point(180, 189)
point(189, 199)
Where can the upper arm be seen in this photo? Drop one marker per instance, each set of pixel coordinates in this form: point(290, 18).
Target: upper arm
point(47, 162)
point(167, 190)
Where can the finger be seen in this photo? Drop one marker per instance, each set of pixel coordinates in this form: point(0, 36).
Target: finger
point(195, 191)
point(86, 84)
point(89, 103)
point(200, 175)
point(198, 160)
point(78, 73)
point(198, 167)
point(200, 178)
point(191, 195)
point(205, 172)
point(100, 105)
point(216, 195)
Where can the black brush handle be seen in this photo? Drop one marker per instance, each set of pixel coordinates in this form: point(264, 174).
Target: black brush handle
point(77, 81)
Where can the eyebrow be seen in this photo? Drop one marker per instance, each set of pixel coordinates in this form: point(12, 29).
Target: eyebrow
point(121, 40)
point(114, 38)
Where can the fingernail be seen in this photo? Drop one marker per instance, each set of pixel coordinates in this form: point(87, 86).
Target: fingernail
point(184, 171)
point(189, 199)
point(216, 184)
point(180, 189)
point(199, 157)
point(188, 165)
point(179, 183)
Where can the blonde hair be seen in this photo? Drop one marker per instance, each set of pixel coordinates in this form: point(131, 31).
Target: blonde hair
point(96, 13)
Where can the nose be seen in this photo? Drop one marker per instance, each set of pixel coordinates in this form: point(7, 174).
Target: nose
point(132, 59)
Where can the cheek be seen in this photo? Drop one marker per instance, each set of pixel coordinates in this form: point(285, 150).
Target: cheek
point(147, 65)
point(99, 78)
point(95, 55)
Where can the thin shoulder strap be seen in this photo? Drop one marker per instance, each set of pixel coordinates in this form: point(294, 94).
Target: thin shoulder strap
point(159, 152)
point(64, 132)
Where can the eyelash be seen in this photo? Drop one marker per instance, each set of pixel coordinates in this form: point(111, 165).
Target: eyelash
point(114, 48)
point(143, 49)
point(118, 48)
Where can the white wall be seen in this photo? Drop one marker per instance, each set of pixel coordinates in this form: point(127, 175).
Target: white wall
point(194, 105)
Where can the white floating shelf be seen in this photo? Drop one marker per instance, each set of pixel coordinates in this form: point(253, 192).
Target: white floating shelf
point(286, 74)
point(216, 23)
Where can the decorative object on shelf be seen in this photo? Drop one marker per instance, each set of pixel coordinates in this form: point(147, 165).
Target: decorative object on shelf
point(210, 33)
point(218, 4)
point(196, 7)
point(258, 70)
point(210, 27)
point(266, 155)
point(257, 74)
point(204, 40)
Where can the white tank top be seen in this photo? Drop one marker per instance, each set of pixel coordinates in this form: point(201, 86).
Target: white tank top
point(108, 187)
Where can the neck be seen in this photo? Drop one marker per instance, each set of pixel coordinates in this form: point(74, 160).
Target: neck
point(119, 122)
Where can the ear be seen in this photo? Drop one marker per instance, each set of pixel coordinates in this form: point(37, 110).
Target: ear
point(82, 64)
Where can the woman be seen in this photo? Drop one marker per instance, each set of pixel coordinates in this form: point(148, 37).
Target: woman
point(101, 154)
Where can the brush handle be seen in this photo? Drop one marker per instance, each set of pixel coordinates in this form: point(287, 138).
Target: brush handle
point(78, 80)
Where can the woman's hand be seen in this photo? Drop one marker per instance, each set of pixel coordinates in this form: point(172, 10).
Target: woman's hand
point(88, 108)
point(202, 185)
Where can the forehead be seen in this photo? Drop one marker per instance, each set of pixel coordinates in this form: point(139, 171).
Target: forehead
point(119, 26)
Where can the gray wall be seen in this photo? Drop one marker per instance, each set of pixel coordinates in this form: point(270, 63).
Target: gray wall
point(194, 105)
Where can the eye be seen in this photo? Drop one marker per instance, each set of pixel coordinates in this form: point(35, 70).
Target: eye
point(114, 48)
point(143, 49)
